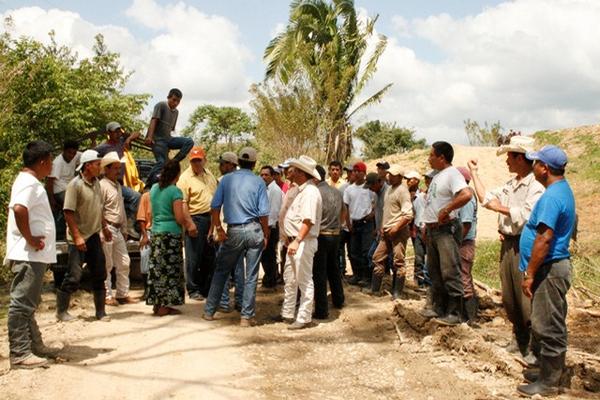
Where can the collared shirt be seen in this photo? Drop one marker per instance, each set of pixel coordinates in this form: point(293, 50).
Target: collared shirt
point(275, 196)
point(360, 201)
point(396, 204)
point(198, 190)
point(444, 186)
point(379, 206)
point(519, 196)
point(114, 207)
point(85, 200)
point(331, 204)
point(337, 184)
point(63, 172)
point(288, 198)
point(243, 197)
point(144, 212)
point(307, 205)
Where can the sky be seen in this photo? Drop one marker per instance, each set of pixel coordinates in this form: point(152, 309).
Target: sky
point(530, 64)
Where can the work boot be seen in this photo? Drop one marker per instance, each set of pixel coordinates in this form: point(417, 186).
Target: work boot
point(454, 316)
point(62, 306)
point(99, 303)
point(354, 280)
point(376, 286)
point(470, 311)
point(428, 311)
point(397, 286)
point(364, 279)
point(548, 381)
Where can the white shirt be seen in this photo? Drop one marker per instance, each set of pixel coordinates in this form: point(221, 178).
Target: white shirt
point(360, 201)
point(28, 192)
point(419, 208)
point(444, 186)
point(307, 205)
point(63, 172)
point(275, 195)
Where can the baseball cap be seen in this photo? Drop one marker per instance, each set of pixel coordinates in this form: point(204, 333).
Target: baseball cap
point(286, 163)
point(383, 165)
point(552, 156)
point(412, 174)
point(197, 153)
point(247, 154)
point(348, 167)
point(88, 156)
point(371, 179)
point(360, 166)
point(230, 157)
point(396, 170)
point(112, 126)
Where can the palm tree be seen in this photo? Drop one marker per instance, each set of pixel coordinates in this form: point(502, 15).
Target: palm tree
point(323, 46)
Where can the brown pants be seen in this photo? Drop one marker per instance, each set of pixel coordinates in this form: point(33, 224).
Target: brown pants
point(467, 255)
point(396, 245)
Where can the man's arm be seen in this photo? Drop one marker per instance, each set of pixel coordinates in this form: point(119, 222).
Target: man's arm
point(264, 223)
point(50, 191)
point(72, 224)
point(541, 246)
point(304, 229)
point(479, 187)
point(130, 139)
point(457, 202)
point(22, 220)
point(215, 224)
point(150, 134)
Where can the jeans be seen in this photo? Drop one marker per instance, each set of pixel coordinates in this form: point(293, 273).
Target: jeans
point(326, 268)
point(25, 296)
point(269, 260)
point(161, 148)
point(59, 216)
point(93, 257)
point(131, 199)
point(239, 277)
point(243, 242)
point(361, 239)
point(298, 276)
point(198, 267)
point(421, 271)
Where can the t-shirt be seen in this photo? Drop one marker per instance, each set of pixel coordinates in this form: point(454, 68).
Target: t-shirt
point(468, 214)
point(444, 186)
point(331, 202)
point(63, 172)
point(163, 217)
point(396, 204)
point(556, 210)
point(419, 208)
point(166, 120)
point(85, 200)
point(144, 212)
point(360, 201)
point(28, 192)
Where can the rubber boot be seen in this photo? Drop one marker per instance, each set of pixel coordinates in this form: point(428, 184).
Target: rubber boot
point(454, 316)
point(547, 384)
point(376, 286)
point(470, 311)
point(397, 286)
point(99, 303)
point(428, 311)
point(62, 306)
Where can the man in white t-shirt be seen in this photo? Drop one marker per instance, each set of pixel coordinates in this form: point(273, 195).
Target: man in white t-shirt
point(447, 193)
point(63, 171)
point(30, 248)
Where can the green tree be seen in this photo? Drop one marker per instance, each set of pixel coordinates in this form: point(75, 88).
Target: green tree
point(210, 125)
point(325, 45)
point(384, 138)
point(486, 135)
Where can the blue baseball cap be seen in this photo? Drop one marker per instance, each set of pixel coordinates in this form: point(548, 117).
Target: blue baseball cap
point(550, 155)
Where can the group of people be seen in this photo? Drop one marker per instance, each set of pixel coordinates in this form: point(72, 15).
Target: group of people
point(298, 221)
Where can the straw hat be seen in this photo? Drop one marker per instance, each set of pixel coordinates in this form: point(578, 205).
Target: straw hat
point(306, 164)
point(518, 144)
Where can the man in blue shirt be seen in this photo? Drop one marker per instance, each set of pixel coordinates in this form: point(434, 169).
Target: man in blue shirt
point(243, 197)
point(545, 260)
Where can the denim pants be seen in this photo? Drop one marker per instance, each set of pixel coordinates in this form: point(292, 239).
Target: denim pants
point(421, 272)
point(243, 242)
point(326, 268)
point(198, 267)
point(239, 277)
point(269, 260)
point(361, 239)
point(344, 242)
point(131, 199)
point(59, 215)
point(94, 259)
point(161, 148)
point(25, 296)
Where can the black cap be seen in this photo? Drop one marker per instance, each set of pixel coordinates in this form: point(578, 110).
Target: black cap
point(383, 165)
point(371, 179)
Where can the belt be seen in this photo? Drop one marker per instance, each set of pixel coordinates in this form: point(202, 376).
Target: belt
point(512, 237)
point(329, 232)
point(362, 220)
point(245, 223)
point(436, 225)
point(206, 214)
point(118, 226)
point(290, 239)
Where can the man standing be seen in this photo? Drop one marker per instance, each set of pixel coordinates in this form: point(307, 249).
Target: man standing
point(198, 186)
point(397, 214)
point(326, 261)
point(335, 174)
point(361, 224)
point(228, 162)
point(83, 213)
point(269, 255)
point(378, 186)
point(447, 194)
point(164, 119)
point(382, 169)
point(243, 197)
point(418, 200)
point(31, 247)
point(115, 247)
point(301, 227)
point(545, 260)
point(513, 202)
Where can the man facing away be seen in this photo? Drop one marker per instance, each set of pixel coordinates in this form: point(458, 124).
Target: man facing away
point(269, 255)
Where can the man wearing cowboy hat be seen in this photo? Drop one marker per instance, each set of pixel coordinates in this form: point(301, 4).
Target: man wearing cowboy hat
point(115, 248)
point(513, 202)
point(301, 226)
point(83, 214)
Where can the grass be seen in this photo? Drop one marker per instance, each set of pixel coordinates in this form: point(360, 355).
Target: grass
point(586, 273)
point(485, 267)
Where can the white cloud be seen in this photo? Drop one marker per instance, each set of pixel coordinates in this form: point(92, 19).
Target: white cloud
point(532, 64)
point(201, 54)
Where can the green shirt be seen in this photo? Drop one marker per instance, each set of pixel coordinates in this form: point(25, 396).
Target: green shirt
point(163, 217)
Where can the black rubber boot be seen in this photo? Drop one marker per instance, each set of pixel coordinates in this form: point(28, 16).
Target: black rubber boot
point(376, 286)
point(100, 304)
point(470, 311)
point(397, 286)
point(62, 306)
point(454, 316)
point(547, 384)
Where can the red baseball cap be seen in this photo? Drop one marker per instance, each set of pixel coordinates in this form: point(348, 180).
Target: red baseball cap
point(360, 166)
point(197, 153)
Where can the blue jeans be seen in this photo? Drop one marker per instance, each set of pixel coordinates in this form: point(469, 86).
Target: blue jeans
point(421, 273)
point(361, 239)
point(197, 270)
point(161, 148)
point(131, 199)
point(239, 278)
point(243, 242)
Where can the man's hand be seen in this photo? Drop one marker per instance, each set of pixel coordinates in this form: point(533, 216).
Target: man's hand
point(37, 242)
point(80, 243)
point(293, 247)
point(144, 241)
point(192, 230)
point(221, 235)
point(473, 165)
point(444, 216)
point(493, 204)
point(149, 141)
point(107, 234)
point(526, 286)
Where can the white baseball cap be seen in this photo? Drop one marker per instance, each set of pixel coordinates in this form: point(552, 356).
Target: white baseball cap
point(88, 156)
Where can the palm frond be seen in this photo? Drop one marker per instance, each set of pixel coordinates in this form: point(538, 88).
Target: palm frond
point(376, 98)
point(371, 66)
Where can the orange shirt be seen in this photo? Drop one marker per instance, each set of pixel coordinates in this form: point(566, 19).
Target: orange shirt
point(144, 212)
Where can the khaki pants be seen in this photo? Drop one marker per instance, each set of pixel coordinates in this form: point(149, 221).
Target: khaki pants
point(115, 253)
point(387, 245)
point(298, 275)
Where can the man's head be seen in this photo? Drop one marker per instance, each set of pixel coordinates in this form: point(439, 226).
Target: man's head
point(305, 168)
point(70, 148)
point(374, 182)
point(322, 172)
point(37, 156)
point(114, 131)
point(277, 175)
point(350, 177)
point(197, 158)
point(247, 158)
point(382, 168)
point(335, 170)
point(89, 164)
point(174, 98)
point(515, 154)
point(111, 165)
point(360, 171)
point(549, 164)
point(441, 155)
point(267, 174)
point(412, 180)
point(228, 162)
point(395, 175)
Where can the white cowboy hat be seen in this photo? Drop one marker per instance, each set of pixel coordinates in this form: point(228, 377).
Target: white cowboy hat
point(518, 144)
point(110, 158)
point(86, 157)
point(306, 164)
point(412, 174)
